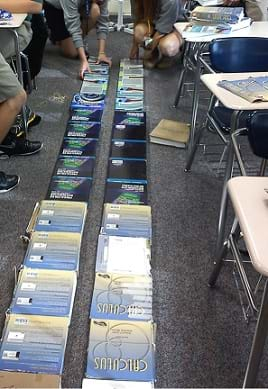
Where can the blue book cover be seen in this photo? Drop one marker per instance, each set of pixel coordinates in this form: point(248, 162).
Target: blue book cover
point(121, 350)
point(69, 188)
point(34, 344)
point(53, 251)
point(83, 130)
point(125, 192)
point(74, 166)
point(129, 104)
point(127, 220)
point(108, 384)
point(86, 115)
point(132, 119)
point(123, 255)
point(61, 216)
point(124, 148)
point(218, 14)
point(79, 147)
point(44, 292)
point(88, 100)
point(128, 169)
point(122, 297)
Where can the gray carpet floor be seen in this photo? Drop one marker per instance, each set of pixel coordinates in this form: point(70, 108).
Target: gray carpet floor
point(202, 338)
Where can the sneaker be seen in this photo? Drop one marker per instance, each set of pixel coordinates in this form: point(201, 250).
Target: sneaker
point(19, 146)
point(8, 182)
point(32, 118)
point(151, 58)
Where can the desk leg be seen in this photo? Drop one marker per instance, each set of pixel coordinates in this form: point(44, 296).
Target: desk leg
point(258, 343)
point(224, 196)
point(195, 100)
point(182, 74)
point(20, 74)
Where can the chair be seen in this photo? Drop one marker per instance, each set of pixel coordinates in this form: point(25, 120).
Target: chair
point(230, 55)
point(249, 198)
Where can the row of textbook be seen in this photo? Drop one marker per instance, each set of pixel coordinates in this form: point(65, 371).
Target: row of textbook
point(215, 20)
point(72, 176)
point(121, 350)
point(36, 328)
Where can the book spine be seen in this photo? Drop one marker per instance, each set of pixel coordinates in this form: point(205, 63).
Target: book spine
point(216, 17)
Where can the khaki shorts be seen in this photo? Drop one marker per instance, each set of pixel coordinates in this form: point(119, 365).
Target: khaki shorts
point(9, 84)
point(7, 47)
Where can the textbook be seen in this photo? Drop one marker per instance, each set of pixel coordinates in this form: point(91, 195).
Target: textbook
point(74, 166)
point(123, 148)
point(131, 63)
point(209, 3)
point(34, 344)
point(218, 14)
point(69, 188)
point(60, 216)
point(199, 29)
point(252, 89)
point(99, 68)
point(125, 192)
point(54, 251)
point(131, 72)
point(83, 130)
point(131, 83)
point(129, 104)
point(122, 118)
point(130, 169)
point(95, 77)
point(44, 292)
point(121, 350)
point(88, 100)
point(86, 115)
point(98, 87)
point(171, 133)
point(122, 297)
point(130, 92)
point(5, 16)
point(123, 255)
point(107, 384)
point(127, 220)
point(129, 132)
point(92, 60)
point(79, 147)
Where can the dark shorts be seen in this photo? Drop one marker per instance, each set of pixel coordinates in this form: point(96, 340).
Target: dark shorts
point(55, 22)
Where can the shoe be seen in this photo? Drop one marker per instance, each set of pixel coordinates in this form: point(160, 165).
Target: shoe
point(19, 146)
point(150, 61)
point(165, 63)
point(32, 118)
point(8, 182)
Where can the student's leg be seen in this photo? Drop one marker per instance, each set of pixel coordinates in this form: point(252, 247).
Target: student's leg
point(141, 30)
point(94, 16)
point(170, 44)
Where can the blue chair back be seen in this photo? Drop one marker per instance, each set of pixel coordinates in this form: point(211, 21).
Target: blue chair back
point(237, 55)
point(258, 133)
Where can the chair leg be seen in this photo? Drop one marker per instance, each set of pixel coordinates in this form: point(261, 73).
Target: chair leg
point(263, 167)
point(258, 343)
point(193, 150)
point(179, 88)
point(218, 265)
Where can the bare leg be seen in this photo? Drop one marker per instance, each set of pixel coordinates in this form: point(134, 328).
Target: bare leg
point(9, 109)
point(140, 32)
point(68, 48)
point(170, 44)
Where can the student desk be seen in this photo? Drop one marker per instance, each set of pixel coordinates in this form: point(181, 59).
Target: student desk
point(238, 105)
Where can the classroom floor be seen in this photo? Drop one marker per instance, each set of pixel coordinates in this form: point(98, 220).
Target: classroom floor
point(202, 338)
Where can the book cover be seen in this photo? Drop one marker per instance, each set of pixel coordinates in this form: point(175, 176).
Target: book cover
point(54, 251)
point(122, 297)
point(125, 192)
point(61, 216)
point(107, 384)
point(131, 82)
point(123, 148)
point(130, 169)
point(199, 29)
point(99, 68)
point(127, 220)
point(252, 89)
point(34, 344)
point(171, 133)
point(129, 104)
point(121, 350)
point(122, 118)
point(218, 14)
point(136, 72)
point(86, 115)
point(92, 60)
point(5, 16)
point(129, 132)
point(74, 166)
point(83, 130)
point(44, 292)
point(97, 87)
point(69, 188)
point(134, 63)
point(95, 77)
point(123, 255)
point(128, 92)
point(88, 100)
point(79, 147)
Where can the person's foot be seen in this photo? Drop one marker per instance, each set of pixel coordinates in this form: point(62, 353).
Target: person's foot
point(166, 62)
point(32, 118)
point(8, 182)
point(151, 58)
point(19, 146)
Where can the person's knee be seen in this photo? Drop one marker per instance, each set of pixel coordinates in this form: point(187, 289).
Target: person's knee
point(94, 13)
point(16, 103)
point(169, 47)
point(139, 33)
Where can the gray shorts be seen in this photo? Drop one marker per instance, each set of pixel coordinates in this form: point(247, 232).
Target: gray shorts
point(9, 84)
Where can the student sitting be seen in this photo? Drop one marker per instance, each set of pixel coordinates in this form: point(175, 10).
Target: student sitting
point(67, 28)
point(154, 31)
